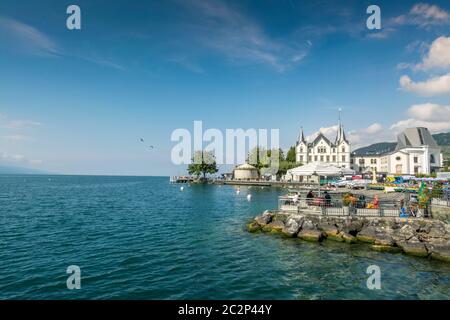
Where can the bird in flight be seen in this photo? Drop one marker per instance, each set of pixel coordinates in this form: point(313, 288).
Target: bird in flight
point(142, 140)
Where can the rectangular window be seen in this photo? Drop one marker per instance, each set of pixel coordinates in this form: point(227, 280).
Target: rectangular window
point(328, 158)
point(301, 158)
point(343, 158)
point(321, 158)
point(315, 158)
point(334, 158)
point(310, 158)
point(416, 160)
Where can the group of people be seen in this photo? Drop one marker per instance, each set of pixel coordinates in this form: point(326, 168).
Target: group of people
point(311, 199)
point(412, 210)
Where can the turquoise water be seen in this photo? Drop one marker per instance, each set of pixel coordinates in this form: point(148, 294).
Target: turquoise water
point(143, 238)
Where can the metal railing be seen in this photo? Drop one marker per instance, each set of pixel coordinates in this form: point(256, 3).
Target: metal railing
point(336, 208)
point(441, 201)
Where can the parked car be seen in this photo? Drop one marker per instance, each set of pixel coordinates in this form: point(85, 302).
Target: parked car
point(359, 184)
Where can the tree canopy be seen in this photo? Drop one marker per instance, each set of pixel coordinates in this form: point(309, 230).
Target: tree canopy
point(203, 163)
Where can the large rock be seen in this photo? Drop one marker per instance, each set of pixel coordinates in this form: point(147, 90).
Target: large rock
point(253, 226)
point(414, 247)
point(384, 240)
point(406, 232)
point(331, 232)
point(367, 234)
point(264, 218)
point(353, 226)
point(348, 237)
point(308, 224)
point(441, 253)
point(382, 248)
point(292, 226)
point(274, 226)
point(310, 235)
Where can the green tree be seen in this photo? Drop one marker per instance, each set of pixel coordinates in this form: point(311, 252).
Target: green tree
point(290, 156)
point(203, 163)
point(266, 161)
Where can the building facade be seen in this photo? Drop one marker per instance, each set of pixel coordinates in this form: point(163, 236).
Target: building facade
point(416, 152)
point(324, 150)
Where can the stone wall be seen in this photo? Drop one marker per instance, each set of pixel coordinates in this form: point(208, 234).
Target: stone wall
point(414, 236)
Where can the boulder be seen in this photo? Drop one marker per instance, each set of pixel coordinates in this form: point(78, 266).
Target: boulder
point(308, 224)
point(310, 235)
point(406, 232)
point(264, 218)
point(382, 248)
point(353, 226)
point(413, 247)
point(384, 240)
point(253, 227)
point(348, 237)
point(292, 226)
point(331, 232)
point(274, 226)
point(441, 253)
point(367, 234)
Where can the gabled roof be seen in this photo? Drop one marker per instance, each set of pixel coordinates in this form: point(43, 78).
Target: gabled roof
point(415, 137)
point(317, 139)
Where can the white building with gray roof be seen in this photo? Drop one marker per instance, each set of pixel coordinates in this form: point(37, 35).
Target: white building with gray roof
point(416, 152)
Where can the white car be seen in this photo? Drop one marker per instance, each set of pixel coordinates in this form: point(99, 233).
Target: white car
point(341, 183)
point(359, 184)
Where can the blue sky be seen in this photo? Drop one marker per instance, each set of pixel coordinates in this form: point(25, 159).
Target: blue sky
point(77, 101)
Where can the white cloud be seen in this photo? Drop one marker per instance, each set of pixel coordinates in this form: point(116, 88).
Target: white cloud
point(431, 12)
point(423, 15)
point(329, 132)
point(373, 128)
point(435, 117)
point(16, 137)
point(438, 85)
point(438, 55)
point(11, 157)
point(430, 112)
point(28, 37)
point(432, 126)
point(371, 134)
point(222, 27)
point(16, 124)
point(14, 158)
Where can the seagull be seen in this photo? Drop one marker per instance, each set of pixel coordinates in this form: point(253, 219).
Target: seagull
point(142, 140)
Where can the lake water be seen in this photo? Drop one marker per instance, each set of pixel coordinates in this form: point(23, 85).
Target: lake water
point(143, 238)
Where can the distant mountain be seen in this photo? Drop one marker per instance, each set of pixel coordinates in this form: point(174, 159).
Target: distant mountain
point(376, 148)
point(20, 170)
point(442, 139)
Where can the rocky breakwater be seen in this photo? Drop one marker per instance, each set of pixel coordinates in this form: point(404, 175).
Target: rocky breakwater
point(414, 236)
